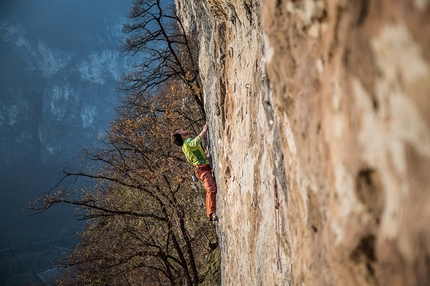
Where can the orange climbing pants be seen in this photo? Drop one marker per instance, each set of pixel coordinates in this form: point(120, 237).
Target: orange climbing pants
point(204, 174)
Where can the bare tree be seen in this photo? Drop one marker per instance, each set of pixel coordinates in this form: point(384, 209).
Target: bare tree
point(157, 36)
point(145, 218)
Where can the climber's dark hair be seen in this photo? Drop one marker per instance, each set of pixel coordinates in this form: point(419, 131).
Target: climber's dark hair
point(177, 138)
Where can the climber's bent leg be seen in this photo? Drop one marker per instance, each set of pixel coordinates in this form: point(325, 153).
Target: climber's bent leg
point(204, 174)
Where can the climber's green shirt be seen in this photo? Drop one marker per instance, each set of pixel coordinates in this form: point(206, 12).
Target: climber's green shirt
point(194, 152)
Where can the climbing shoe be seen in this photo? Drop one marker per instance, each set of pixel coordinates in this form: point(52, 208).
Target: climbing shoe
point(213, 217)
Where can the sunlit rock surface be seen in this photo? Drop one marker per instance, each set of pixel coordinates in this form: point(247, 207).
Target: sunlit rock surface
point(318, 114)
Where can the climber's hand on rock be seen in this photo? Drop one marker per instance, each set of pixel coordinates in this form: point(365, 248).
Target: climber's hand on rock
point(204, 130)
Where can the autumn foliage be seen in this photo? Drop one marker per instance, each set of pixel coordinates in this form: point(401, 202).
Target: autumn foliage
point(146, 218)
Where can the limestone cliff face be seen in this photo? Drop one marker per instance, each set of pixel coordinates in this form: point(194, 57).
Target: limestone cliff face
point(320, 125)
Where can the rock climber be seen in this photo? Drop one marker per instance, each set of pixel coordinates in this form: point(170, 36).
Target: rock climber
point(195, 155)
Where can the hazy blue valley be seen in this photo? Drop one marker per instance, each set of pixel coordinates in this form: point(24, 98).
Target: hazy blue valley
point(58, 71)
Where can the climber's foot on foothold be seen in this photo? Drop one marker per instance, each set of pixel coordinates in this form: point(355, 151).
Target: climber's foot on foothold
point(213, 217)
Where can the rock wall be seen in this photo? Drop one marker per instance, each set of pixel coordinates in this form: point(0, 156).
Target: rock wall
point(318, 114)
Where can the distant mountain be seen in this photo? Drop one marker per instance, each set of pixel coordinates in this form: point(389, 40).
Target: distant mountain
point(59, 69)
point(64, 97)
